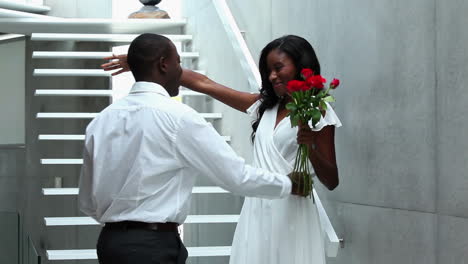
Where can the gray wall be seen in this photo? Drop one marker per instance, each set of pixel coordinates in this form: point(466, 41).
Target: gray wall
point(12, 52)
point(12, 138)
point(402, 151)
point(11, 169)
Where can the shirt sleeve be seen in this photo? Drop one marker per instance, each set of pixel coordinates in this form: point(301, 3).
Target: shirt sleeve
point(86, 201)
point(200, 147)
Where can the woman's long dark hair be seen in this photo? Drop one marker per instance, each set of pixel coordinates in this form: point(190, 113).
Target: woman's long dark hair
point(303, 56)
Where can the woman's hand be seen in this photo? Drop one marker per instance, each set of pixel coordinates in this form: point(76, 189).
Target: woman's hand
point(306, 136)
point(321, 152)
point(119, 62)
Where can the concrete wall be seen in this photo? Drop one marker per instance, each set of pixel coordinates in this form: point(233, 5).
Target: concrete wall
point(402, 151)
point(11, 169)
point(12, 139)
point(12, 52)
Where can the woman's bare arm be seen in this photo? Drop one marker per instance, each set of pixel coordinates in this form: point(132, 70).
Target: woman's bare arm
point(321, 153)
point(200, 83)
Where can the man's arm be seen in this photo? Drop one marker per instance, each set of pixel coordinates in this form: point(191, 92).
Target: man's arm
point(86, 201)
point(200, 147)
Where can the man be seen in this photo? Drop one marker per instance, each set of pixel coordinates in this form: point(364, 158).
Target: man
point(141, 157)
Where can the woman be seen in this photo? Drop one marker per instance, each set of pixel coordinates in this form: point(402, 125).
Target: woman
point(288, 230)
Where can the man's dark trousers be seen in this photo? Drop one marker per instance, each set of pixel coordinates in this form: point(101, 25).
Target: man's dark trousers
point(136, 245)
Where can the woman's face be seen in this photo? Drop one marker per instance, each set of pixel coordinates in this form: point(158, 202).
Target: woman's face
point(282, 70)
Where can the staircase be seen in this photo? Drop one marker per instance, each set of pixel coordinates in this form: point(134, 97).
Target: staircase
point(45, 51)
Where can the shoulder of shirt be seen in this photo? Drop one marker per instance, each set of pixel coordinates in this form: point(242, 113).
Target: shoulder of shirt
point(177, 110)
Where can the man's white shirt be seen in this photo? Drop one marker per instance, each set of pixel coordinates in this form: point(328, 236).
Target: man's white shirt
point(143, 152)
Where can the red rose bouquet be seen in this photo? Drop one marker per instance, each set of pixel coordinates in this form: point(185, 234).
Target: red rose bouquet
point(309, 98)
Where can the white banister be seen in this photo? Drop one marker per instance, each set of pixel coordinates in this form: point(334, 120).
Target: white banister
point(332, 242)
point(239, 44)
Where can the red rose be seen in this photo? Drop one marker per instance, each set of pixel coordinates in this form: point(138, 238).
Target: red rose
point(305, 87)
point(316, 81)
point(306, 73)
point(295, 85)
point(334, 83)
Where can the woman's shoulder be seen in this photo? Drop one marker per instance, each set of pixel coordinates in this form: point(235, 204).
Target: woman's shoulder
point(253, 109)
point(330, 119)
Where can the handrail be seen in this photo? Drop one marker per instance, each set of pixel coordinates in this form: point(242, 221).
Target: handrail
point(253, 76)
point(333, 243)
point(238, 43)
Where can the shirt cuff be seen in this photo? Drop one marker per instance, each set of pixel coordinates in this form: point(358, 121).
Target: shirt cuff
point(287, 186)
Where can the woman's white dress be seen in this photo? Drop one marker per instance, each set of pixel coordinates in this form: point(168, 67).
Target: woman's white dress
point(281, 231)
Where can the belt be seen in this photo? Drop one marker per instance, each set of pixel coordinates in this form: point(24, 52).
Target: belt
point(164, 227)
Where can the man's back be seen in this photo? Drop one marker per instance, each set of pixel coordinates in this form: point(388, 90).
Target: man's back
point(134, 168)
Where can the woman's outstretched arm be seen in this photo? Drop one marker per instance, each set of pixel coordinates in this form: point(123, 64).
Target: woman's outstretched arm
point(194, 81)
point(200, 83)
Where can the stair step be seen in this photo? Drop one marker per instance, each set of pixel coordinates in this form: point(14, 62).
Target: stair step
point(61, 161)
point(61, 137)
point(70, 92)
point(89, 254)
point(121, 38)
point(82, 137)
point(74, 191)
point(27, 26)
point(95, 92)
point(72, 72)
point(59, 191)
point(93, 115)
point(24, 7)
point(67, 115)
point(191, 219)
point(76, 73)
point(91, 55)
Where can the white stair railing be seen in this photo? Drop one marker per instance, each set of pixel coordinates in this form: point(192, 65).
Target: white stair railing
point(239, 45)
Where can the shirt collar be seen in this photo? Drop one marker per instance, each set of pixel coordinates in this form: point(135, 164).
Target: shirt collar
point(148, 87)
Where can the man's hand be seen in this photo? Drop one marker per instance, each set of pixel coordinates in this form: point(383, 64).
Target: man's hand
point(119, 62)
